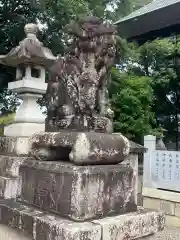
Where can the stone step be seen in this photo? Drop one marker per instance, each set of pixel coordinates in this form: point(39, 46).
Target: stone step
point(9, 187)
point(42, 226)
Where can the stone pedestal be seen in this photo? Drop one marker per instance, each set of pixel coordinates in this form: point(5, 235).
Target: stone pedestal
point(59, 200)
point(78, 192)
point(75, 193)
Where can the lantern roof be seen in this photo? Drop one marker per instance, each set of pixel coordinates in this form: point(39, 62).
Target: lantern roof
point(156, 19)
point(29, 51)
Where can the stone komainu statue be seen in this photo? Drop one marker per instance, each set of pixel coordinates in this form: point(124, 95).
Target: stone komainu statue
point(77, 96)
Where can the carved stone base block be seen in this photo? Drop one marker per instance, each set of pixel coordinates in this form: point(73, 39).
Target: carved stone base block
point(37, 225)
point(78, 192)
point(80, 147)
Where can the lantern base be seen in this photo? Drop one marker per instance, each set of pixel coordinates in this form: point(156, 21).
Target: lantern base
point(23, 129)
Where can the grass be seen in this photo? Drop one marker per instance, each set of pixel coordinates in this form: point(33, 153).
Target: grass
point(5, 120)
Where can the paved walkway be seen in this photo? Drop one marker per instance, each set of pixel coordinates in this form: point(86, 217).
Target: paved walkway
point(7, 233)
point(169, 234)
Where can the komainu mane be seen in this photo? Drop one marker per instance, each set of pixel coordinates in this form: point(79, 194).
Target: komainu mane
point(77, 94)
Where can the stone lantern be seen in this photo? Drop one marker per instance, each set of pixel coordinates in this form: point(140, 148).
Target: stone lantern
point(31, 59)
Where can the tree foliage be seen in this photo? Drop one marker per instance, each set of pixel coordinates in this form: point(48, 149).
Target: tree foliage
point(166, 77)
point(57, 14)
point(132, 101)
point(159, 61)
point(8, 102)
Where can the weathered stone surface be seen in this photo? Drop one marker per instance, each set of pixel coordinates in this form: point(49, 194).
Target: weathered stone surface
point(132, 161)
point(78, 192)
point(51, 227)
point(132, 225)
point(18, 216)
point(9, 165)
point(99, 148)
point(41, 226)
point(9, 187)
point(77, 95)
point(10, 181)
point(16, 146)
point(80, 148)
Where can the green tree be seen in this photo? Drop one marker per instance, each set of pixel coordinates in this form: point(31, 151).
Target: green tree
point(158, 60)
point(167, 90)
point(132, 102)
point(57, 14)
point(121, 8)
point(8, 102)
